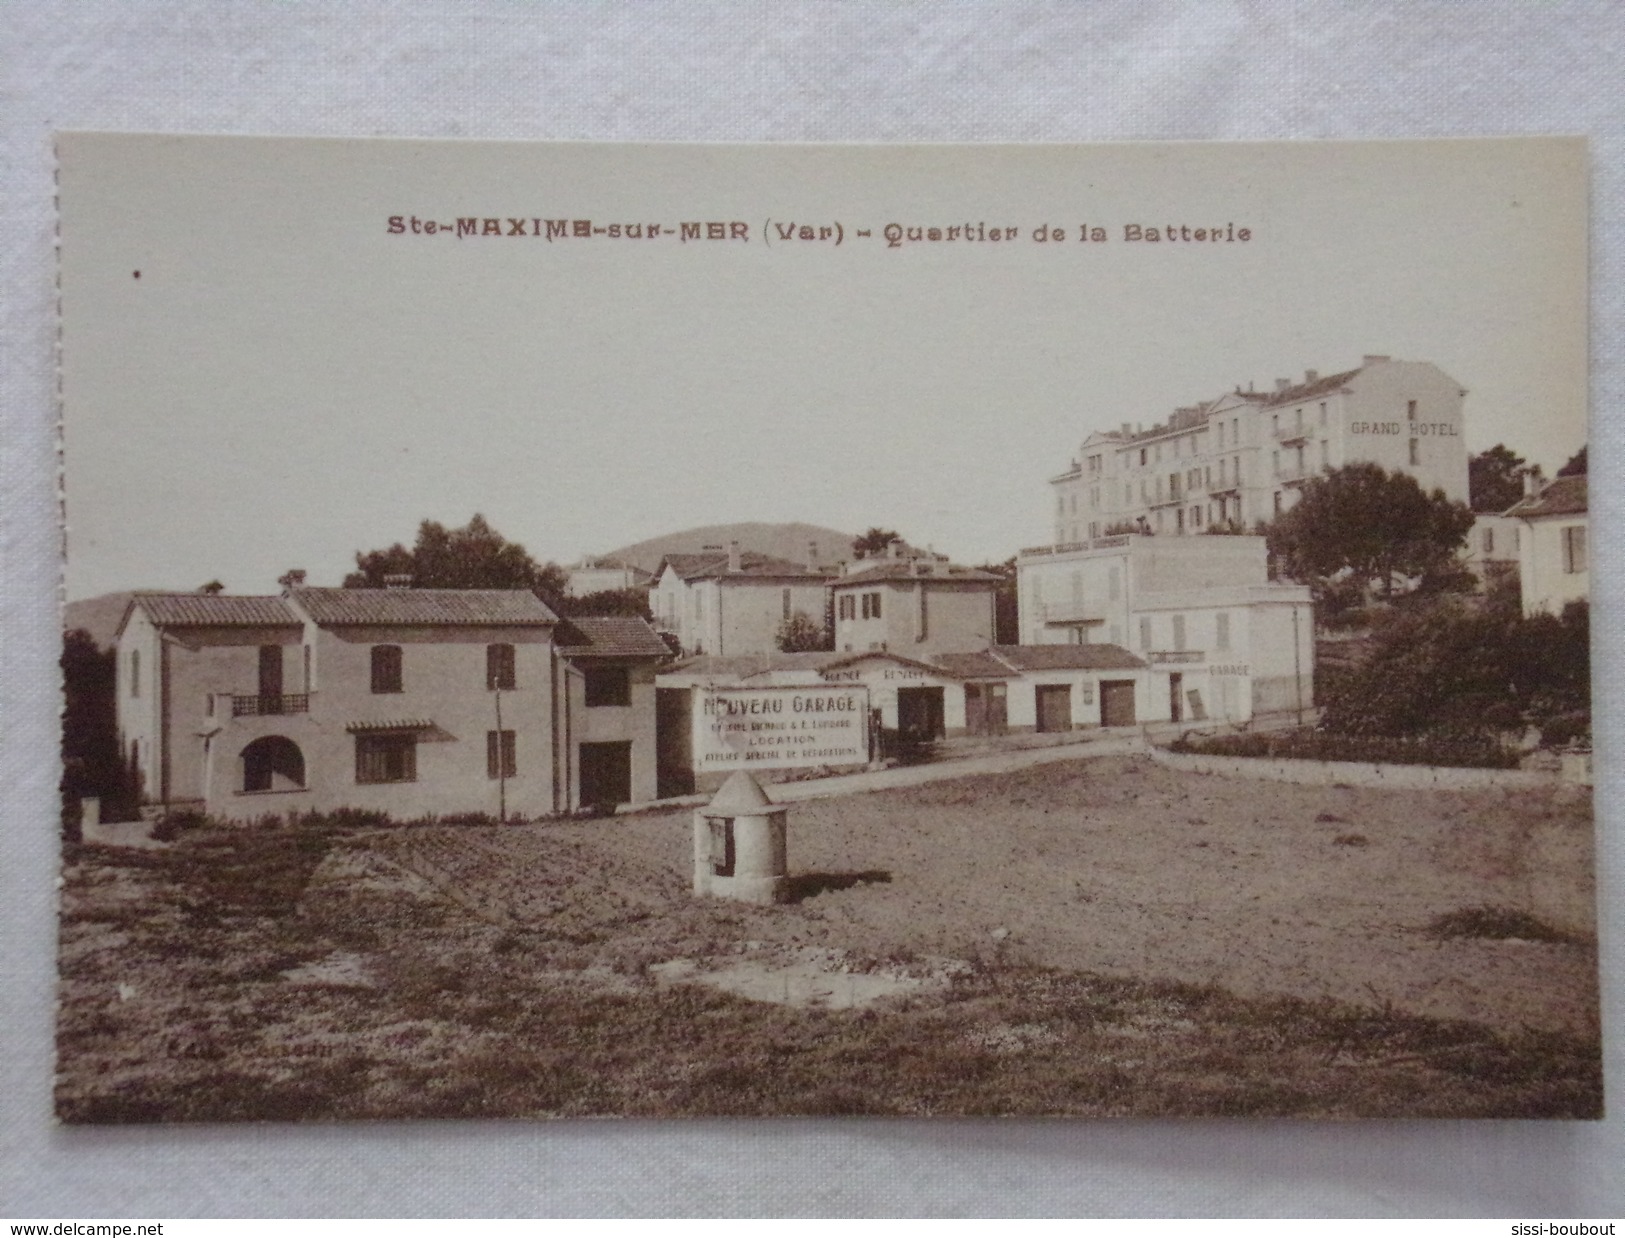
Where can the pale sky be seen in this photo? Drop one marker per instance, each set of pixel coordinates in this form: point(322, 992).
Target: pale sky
point(287, 382)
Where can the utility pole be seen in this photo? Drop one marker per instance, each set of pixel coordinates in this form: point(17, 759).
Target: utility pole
point(502, 763)
point(1297, 664)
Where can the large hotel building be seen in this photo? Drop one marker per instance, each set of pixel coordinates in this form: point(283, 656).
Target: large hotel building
point(1241, 458)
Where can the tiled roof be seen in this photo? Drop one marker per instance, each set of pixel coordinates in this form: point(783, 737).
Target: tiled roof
point(610, 636)
point(752, 564)
point(972, 665)
point(1308, 391)
point(430, 607)
point(903, 569)
point(215, 610)
point(744, 665)
point(1564, 497)
point(1066, 657)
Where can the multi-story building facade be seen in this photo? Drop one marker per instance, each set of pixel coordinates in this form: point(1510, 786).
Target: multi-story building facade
point(600, 575)
point(403, 701)
point(1243, 457)
point(1201, 611)
point(728, 603)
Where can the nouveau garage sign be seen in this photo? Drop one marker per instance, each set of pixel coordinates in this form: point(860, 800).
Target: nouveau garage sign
point(780, 728)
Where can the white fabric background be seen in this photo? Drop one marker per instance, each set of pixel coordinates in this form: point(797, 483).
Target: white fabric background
point(748, 71)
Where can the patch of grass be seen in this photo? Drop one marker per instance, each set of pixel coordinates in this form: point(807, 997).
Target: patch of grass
point(1495, 924)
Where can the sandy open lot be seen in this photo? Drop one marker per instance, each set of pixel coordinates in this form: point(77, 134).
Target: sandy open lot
point(1115, 866)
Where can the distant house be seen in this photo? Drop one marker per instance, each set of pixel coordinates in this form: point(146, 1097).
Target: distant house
point(405, 701)
point(732, 602)
point(1553, 560)
point(915, 606)
point(1492, 545)
point(1202, 609)
point(602, 575)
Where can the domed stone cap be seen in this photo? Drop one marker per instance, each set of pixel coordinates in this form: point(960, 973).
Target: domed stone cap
point(741, 796)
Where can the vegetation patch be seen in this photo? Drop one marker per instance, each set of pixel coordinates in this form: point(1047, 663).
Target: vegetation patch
point(1495, 924)
point(1320, 745)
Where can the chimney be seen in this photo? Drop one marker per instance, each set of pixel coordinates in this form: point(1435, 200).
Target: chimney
point(395, 580)
point(894, 548)
point(1127, 430)
point(1309, 376)
point(735, 562)
point(1531, 483)
point(292, 579)
point(1281, 384)
point(812, 556)
point(1372, 358)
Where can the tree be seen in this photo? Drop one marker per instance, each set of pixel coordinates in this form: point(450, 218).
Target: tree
point(475, 556)
point(1362, 521)
point(91, 761)
point(801, 633)
point(1006, 620)
point(1458, 666)
point(1576, 465)
point(1495, 478)
point(874, 543)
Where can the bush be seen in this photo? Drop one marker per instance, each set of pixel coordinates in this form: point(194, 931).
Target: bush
point(1462, 669)
point(172, 825)
point(1378, 750)
point(1566, 729)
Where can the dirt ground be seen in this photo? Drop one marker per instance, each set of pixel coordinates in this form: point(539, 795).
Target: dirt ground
point(1112, 866)
point(1096, 936)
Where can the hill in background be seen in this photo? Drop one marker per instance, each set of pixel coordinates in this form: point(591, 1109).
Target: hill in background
point(98, 615)
point(782, 541)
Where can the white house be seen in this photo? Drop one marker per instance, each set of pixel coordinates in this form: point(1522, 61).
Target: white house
point(732, 602)
point(1553, 559)
point(1201, 610)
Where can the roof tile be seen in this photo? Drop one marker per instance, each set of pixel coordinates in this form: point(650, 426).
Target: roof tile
point(208, 610)
point(430, 607)
point(610, 636)
point(1566, 496)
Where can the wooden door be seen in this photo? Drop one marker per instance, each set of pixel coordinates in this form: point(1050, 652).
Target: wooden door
point(1117, 702)
point(674, 742)
point(606, 774)
point(1054, 701)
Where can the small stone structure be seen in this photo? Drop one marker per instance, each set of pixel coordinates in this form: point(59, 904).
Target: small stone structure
point(739, 844)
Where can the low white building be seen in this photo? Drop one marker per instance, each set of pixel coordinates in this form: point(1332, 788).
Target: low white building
point(731, 602)
point(602, 575)
point(1553, 558)
point(1200, 610)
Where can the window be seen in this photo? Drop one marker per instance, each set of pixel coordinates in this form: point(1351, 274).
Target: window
point(1574, 548)
point(1416, 451)
point(608, 685)
point(386, 670)
point(1179, 631)
point(135, 672)
point(785, 601)
point(871, 605)
point(1221, 631)
point(384, 757)
point(500, 756)
point(499, 669)
point(1323, 412)
point(1410, 410)
point(1489, 541)
point(848, 607)
point(1145, 632)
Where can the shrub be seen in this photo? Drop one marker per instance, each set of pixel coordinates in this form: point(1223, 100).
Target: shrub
point(1306, 745)
point(172, 825)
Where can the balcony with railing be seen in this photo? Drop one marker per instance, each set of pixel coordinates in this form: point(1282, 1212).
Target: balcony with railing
point(1111, 542)
point(1174, 657)
point(1292, 434)
point(267, 706)
point(1072, 612)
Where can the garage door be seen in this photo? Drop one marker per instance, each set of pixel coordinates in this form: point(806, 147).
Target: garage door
point(1054, 706)
point(1117, 702)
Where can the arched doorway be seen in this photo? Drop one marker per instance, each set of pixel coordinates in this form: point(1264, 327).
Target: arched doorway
point(273, 763)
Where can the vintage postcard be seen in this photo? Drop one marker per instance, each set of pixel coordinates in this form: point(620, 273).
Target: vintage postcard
point(572, 630)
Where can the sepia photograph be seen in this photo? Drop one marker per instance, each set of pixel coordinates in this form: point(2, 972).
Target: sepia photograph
point(562, 630)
